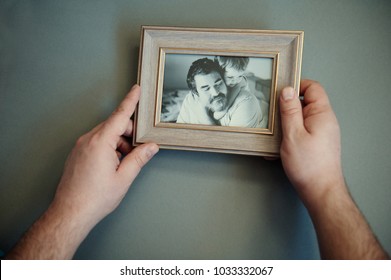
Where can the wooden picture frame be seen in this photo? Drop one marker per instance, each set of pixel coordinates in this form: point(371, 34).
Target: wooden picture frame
point(165, 56)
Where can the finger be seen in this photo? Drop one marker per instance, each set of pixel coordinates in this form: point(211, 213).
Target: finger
point(123, 146)
point(118, 123)
point(313, 92)
point(317, 105)
point(291, 112)
point(129, 129)
point(135, 161)
point(304, 84)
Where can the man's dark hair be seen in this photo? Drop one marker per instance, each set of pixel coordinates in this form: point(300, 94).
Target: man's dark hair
point(203, 66)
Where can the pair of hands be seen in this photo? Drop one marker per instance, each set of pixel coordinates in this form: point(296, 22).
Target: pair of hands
point(103, 164)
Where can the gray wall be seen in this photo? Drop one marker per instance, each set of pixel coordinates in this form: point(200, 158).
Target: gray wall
point(64, 66)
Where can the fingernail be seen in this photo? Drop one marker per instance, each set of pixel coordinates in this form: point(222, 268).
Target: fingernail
point(288, 93)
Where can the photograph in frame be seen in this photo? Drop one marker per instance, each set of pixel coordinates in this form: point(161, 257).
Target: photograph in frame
point(243, 83)
point(215, 90)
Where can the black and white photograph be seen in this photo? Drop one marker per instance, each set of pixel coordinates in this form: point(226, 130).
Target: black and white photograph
point(216, 90)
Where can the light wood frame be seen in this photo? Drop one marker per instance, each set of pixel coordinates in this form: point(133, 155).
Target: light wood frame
point(284, 47)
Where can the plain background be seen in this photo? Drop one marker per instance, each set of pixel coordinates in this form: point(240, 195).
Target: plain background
point(65, 65)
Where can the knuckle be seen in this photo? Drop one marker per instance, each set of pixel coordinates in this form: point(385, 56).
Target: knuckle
point(289, 111)
point(94, 140)
point(317, 86)
point(315, 82)
point(119, 110)
point(80, 140)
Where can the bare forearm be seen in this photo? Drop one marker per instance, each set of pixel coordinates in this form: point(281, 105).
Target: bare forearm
point(342, 230)
point(53, 236)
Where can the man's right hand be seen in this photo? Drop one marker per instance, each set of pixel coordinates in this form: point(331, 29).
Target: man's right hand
point(311, 156)
point(311, 149)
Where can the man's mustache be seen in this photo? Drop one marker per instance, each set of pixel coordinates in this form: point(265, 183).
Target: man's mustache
point(216, 98)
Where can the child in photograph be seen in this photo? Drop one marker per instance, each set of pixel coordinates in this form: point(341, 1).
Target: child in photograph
point(234, 68)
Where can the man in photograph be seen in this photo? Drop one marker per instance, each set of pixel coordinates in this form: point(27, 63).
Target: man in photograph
point(211, 102)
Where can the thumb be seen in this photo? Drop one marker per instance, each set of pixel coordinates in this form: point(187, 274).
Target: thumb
point(291, 112)
point(132, 164)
